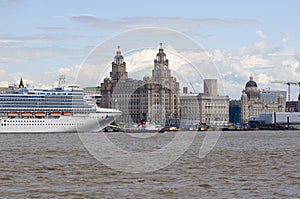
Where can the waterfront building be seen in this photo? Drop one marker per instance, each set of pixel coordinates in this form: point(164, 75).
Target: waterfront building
point(3, 89)
point(189, 106)
point(271, 96)
point(293, 106)
point(117, 90)
point(154, 98)
point(252, 105)
point(164, 100)
point(207, 107)
point(235, 111)
point(214, 109)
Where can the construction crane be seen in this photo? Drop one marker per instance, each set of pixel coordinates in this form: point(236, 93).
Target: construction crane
point(289, 91)
point(298, 83)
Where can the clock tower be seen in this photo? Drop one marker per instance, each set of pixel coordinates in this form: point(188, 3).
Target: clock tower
point(118, 67)
point(164, 99)
point(161, 62)
point(161, 73)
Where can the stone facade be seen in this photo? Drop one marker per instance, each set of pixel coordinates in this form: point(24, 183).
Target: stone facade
point(214, 109)
point(271, 96)
point(164, 100)
point(117, 90)
point(154, 99)
point(190, 106)
point(207, 107)
point(251, 104)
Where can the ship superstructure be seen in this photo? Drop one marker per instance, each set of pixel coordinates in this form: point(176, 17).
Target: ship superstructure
point(51, 110)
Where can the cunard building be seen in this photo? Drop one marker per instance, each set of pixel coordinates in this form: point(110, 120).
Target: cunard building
point(153, 99)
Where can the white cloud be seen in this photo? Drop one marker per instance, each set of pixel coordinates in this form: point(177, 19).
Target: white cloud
point(251, 61)
point(8, 79)
point(285, 40)
point(34, 39)
point(177, 23)
point(94, 21)
point(266, 62)
point(263, 80)
point(189, 67)
point(261, 34)
point(84, 74)
point(14, 54)
point(257, 48)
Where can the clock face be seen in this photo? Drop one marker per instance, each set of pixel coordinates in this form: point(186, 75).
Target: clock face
point(157, 67)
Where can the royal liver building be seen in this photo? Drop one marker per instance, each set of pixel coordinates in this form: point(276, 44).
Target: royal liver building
point(164, 96)
point(153, 99)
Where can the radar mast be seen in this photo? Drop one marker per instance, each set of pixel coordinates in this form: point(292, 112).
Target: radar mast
point(61, 81)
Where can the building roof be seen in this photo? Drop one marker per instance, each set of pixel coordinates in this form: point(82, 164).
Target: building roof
point(251, 83)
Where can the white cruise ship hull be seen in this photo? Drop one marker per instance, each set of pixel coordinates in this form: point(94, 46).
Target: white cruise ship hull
point(62, 124)
point(58, 110)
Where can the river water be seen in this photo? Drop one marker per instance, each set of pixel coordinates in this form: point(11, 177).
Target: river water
point(252, 164)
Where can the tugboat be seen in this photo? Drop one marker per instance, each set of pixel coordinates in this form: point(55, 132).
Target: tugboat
point(143, 127)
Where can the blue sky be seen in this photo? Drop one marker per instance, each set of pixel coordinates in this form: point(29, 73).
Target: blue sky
point(39, 39)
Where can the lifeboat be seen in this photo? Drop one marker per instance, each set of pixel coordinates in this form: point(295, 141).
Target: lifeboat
point(12, 114)
point(26, 114)
point(55, 114)
point(40, 114)
point(67, 113)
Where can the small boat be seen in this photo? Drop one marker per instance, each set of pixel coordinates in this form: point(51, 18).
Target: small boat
point(112, 128)
point(203, 128)
point(143, 127)
point(172, 128)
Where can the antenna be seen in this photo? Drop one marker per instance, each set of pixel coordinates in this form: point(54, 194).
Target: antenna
point(61, 81)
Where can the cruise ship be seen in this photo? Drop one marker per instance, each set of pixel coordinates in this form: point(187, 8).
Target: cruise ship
point(57, 110)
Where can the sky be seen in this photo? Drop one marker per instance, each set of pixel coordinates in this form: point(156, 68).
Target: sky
point(41, 39)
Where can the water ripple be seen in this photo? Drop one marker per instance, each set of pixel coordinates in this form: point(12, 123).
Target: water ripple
point(261, 164)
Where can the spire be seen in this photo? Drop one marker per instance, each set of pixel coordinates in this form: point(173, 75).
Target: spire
point(160, 56)
point(21, 85)
point(251, 77)
point(119, 51)
point(118, 57)
point(118, 66)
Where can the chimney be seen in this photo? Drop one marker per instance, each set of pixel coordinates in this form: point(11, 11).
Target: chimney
point(185, 90)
